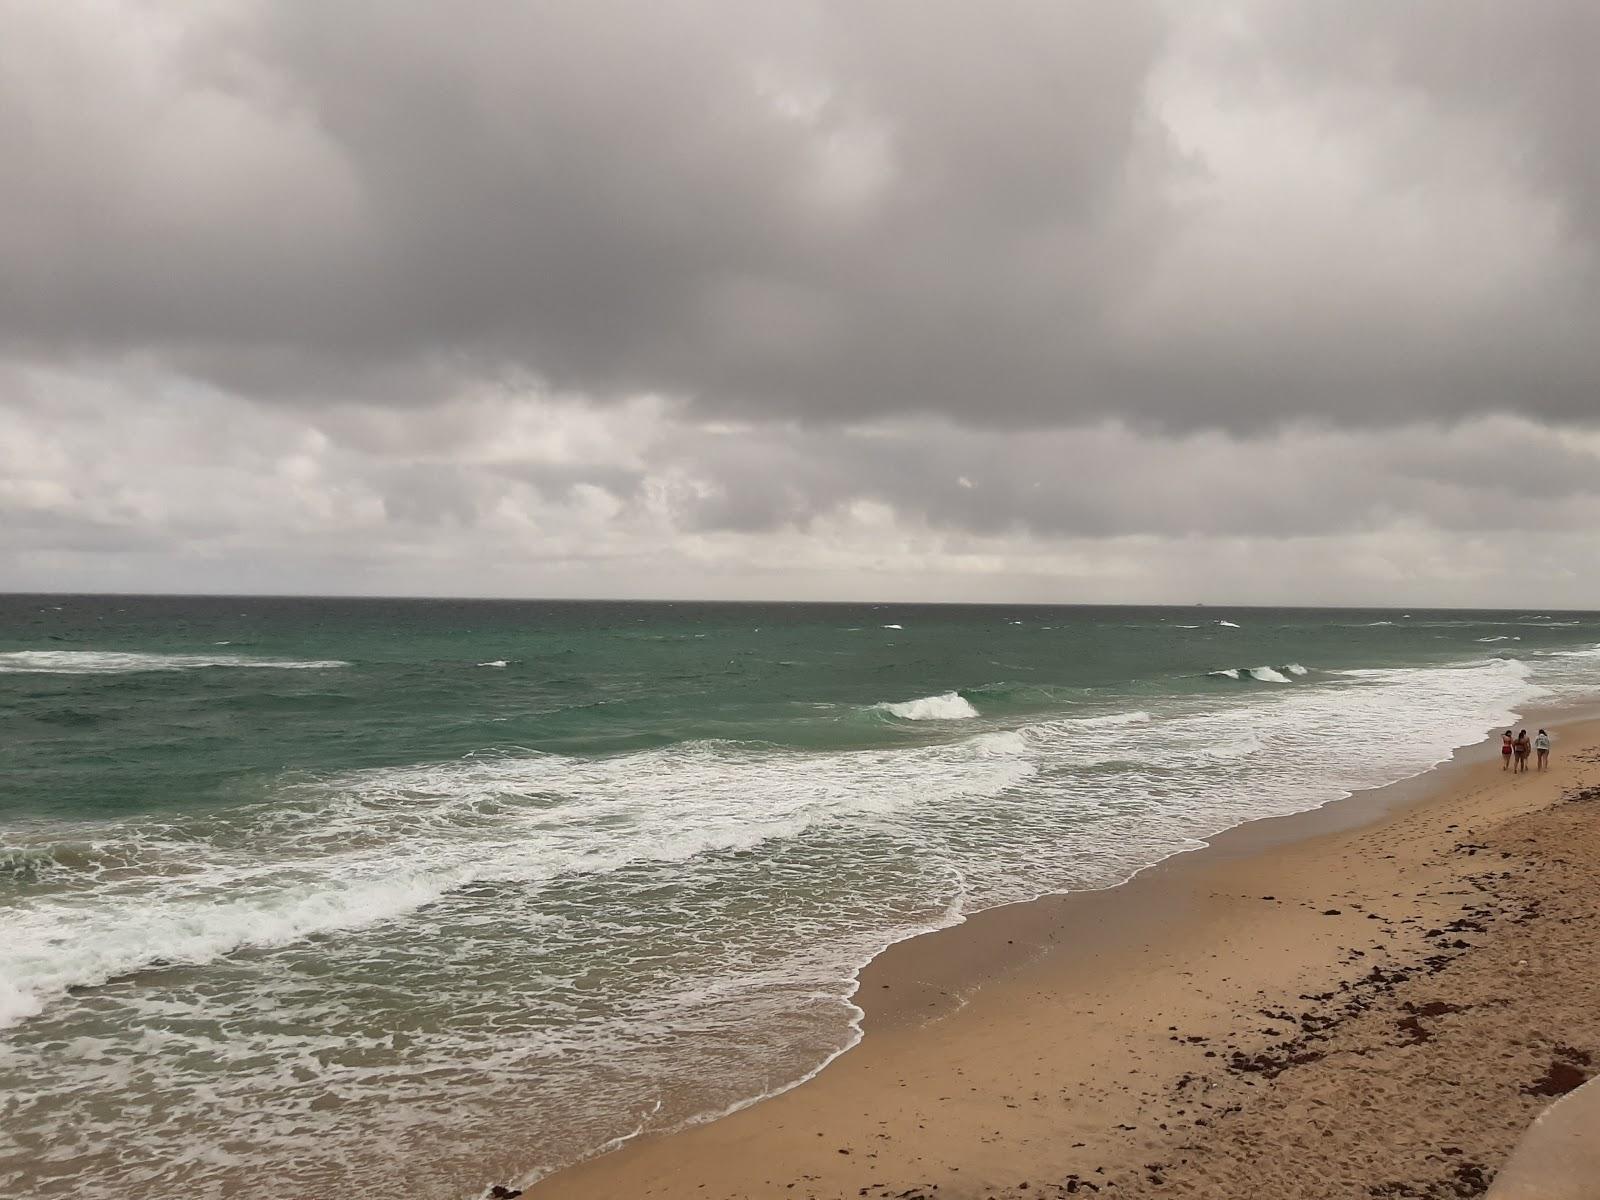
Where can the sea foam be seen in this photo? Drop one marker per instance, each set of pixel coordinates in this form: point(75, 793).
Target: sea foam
point(1263, 674)
point(1108, 721)
point(947, 706)
point(359, 851)
point(116, 662)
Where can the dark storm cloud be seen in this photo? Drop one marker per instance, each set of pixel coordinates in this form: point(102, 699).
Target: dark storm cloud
point(1024, 214)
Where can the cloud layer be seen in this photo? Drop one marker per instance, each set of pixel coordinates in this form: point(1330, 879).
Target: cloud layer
point(1061, 299)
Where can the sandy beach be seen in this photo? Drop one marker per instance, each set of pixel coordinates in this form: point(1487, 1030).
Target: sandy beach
point(1373, 999)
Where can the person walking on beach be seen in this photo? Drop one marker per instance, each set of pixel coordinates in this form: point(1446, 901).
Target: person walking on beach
point(1541, 743)
point(1522, 745)
point(1505, 750)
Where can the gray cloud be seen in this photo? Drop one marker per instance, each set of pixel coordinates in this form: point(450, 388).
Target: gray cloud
point(519, 494)
point(1491, 475)
point(1517, 75)
point(804, 298)
point(1030, 214)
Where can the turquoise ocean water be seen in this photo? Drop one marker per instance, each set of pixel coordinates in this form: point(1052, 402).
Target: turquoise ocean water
point(329, 894)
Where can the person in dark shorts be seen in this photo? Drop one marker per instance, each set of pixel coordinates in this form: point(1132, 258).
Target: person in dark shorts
point(1522, 745)
point(1541, 747)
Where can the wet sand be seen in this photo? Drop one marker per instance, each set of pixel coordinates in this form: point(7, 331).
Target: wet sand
point(1374, 999)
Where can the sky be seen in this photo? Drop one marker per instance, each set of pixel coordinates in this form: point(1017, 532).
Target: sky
point(1021, 301)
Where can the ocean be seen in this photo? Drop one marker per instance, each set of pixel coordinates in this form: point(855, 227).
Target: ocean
point(328, 895)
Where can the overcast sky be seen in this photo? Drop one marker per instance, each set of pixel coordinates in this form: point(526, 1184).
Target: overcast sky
point(889, 299)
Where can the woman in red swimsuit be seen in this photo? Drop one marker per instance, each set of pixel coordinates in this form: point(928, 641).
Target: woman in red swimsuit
point(1505, 750)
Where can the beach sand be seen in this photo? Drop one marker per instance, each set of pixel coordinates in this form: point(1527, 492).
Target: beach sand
point(1371, 1000)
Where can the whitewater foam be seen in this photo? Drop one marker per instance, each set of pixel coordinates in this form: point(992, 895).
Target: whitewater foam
point(39, 968)
point(361, 850)
point(1108, 721)
point(113, 662)
point(1263, 674)
point(1227, 624)
point(1590, 652)
point(947, 706)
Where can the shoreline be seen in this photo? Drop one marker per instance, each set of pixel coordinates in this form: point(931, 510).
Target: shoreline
point(957, 987)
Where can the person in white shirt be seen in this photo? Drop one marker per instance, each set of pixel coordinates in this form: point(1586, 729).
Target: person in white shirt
point(1541, 743)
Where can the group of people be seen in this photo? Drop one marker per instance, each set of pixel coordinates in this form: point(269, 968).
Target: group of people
point(1519, 747)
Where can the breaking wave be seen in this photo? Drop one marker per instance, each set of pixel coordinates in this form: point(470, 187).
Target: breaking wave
point(1261, 674)
point(368, 848)
point(117, 662)
point(947, 706)
point(1109, 721)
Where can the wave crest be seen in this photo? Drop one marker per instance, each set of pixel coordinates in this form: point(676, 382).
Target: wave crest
point(1109, 721)
point(117, 662)
point(1263, 674)
point(947, 706)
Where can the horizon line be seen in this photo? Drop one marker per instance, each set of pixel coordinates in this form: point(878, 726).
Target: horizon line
point(489, 599)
